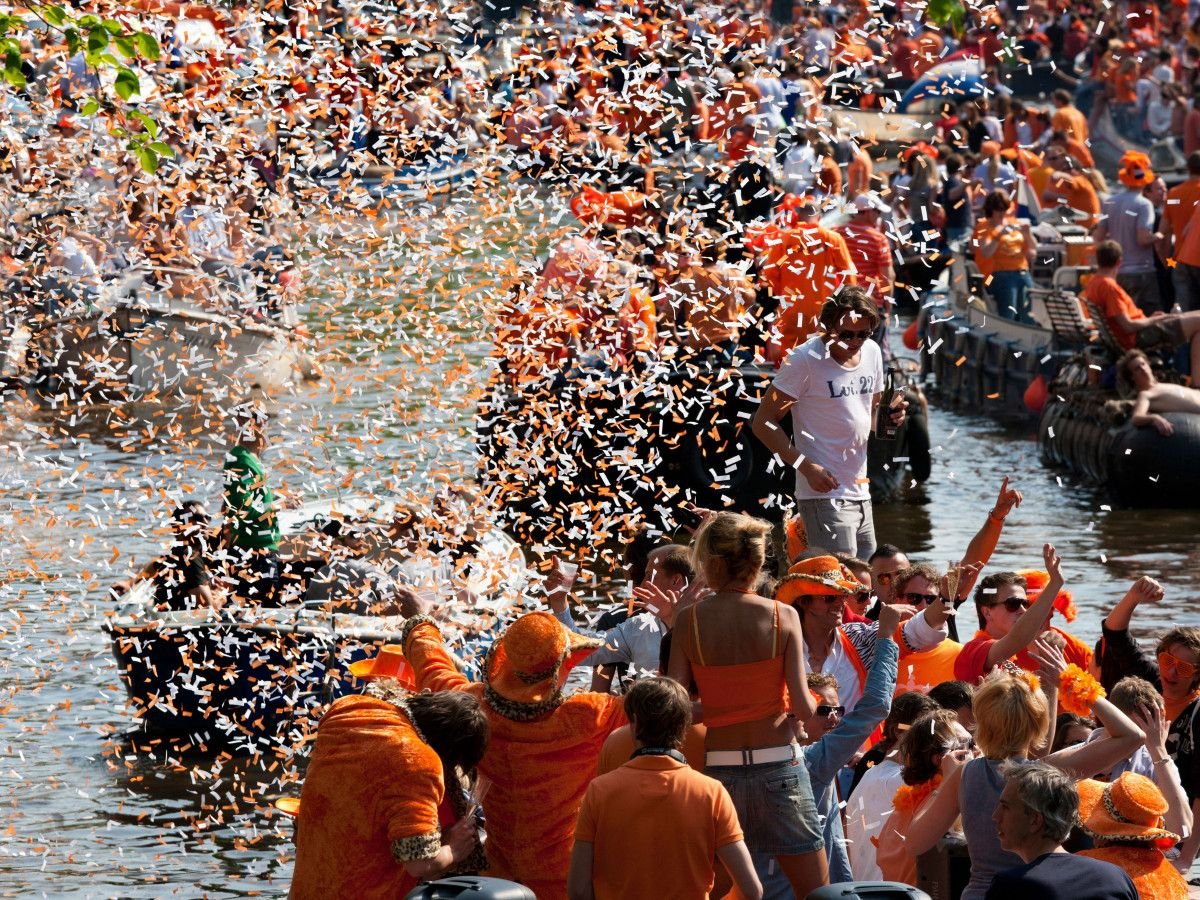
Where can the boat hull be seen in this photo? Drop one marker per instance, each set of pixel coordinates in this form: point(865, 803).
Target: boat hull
point(1137, 466)
point(218, 683)
point(133, 352)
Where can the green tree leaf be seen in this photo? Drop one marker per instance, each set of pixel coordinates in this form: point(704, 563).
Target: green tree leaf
point(146, 158)
point(55, 15)
point(126, 45)
point(127, 84)
point(147, 45)
point(162, 149)
point(112, 26)
point(97, 40)
point(89, 107)
point(73, 41)
point(88, 21)
point(12, 70)
point(148, 123)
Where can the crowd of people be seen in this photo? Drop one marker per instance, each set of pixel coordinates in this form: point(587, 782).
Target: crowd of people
point(781, 714)
point(834, 746)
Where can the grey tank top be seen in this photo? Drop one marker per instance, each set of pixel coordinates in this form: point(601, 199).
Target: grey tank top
point(979, 795)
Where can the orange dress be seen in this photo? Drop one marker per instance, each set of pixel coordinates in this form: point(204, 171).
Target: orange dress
point(373, 787)
point(539, 768)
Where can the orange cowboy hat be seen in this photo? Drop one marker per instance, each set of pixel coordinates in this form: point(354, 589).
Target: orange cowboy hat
point(1128, 809)
point(1135, 170)
point(529, 662)
point(822, 575)
point(389, 662)
point(1036, 580)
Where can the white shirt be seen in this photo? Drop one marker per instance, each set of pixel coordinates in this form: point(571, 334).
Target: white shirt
point(918, 633)
point(867, 812)
point(832, 413)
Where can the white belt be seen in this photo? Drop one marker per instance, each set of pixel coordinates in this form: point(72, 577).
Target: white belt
point(754, 757)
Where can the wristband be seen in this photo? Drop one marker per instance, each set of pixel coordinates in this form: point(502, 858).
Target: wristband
point(999, 520)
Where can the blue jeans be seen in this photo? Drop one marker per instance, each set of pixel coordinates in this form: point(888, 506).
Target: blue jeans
point(1011, 292)
point(775, 806)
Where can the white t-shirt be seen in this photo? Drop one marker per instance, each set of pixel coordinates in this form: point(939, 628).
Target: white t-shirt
point(867, 812)
point(832, 415)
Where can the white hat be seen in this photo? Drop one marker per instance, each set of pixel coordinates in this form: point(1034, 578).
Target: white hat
point(869, 201)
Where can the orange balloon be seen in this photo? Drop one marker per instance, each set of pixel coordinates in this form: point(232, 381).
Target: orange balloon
point(1036, 395)
point(911, 339)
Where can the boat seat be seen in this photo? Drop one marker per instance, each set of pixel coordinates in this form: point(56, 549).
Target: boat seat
point(1069, 278)
point(1067, 317)
point(1103, 332)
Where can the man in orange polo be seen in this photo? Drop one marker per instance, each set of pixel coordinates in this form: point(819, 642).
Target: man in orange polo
point(1069, 186)
point(1182, 201)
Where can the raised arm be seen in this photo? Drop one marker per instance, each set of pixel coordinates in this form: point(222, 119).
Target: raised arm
point(1144, 590)
point(1085, 760)
point(1178, 818)
point(1030, 624)
point(983, 545)
point(432, 664)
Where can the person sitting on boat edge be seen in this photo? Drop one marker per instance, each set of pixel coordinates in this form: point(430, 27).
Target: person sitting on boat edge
point(251, 531)
point(381, 807)
point(1034, 815)
point(531, 809)
point(180, 576)
point(1155, 397)
point(1130, 327)
point(832, 385)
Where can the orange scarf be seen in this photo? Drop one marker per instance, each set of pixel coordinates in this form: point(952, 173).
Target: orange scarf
point(909, 797)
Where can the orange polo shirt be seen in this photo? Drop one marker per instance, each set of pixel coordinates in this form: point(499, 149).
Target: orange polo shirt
point(1111, 300)
point(805, 266)
point(1181, 203)
point(655, 826)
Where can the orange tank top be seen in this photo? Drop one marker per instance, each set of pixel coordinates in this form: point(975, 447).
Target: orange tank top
point(745, 692)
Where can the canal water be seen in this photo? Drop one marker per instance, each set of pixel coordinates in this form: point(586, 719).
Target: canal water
point(402, 311)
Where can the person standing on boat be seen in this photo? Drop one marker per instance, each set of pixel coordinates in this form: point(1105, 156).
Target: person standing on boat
point(1005, 248)
point(251, 528)
point(831, 384)
point(1129, 220)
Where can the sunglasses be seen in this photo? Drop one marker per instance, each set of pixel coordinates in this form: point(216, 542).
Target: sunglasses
point(968, 744)
point(825, 710)
point(1177, 665)
point(886, 577)
point(1013, 604)
point(852, 335)
point(862, 597)
point(831, 599)
point(916, 599)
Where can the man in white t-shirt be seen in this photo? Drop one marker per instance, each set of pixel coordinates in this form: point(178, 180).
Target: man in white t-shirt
point(831, 384)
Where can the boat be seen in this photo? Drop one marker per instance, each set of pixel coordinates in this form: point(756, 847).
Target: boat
point(247, 680)
point(430, 178)
point(160, 331)
point(1085, 429)
point(590, 448)
point(977, 361)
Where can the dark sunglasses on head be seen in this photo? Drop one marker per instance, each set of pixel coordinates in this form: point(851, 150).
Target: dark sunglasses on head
point(915, 598)
point(1012, 604)
point(968, 744)
point(825, 710)
point(848, 335)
